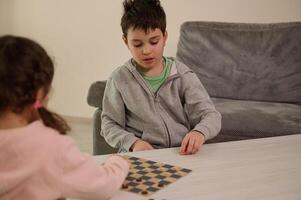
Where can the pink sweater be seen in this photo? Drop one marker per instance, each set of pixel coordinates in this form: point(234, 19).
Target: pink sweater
point(38, 163)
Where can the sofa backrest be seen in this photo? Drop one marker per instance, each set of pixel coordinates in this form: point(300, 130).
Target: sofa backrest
point(245, 61)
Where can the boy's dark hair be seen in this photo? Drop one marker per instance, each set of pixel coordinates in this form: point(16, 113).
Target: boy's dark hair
point(25, 67)
point(143, 14)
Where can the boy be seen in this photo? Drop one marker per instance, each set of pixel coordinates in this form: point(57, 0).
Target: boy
point(154, 101)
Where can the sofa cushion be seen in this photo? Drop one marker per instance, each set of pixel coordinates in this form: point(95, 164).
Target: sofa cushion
point(260, 62)
point(254, 119)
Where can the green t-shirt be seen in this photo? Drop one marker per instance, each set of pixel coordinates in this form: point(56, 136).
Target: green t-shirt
point(156, 81)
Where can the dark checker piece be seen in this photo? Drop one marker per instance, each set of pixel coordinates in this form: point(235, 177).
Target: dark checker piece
point(147, 176)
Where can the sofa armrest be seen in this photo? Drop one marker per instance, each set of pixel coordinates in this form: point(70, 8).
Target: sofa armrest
point(94, 99)
point(95, 94)
point(100, 146)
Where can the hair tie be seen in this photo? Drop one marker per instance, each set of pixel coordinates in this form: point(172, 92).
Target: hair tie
point(37, 104)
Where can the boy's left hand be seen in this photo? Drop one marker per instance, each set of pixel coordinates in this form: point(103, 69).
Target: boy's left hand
point(192, 143)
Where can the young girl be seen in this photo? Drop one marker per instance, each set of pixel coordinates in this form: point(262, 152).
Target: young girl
point(36, 160)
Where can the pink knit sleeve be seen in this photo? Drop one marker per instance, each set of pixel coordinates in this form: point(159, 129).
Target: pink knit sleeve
point(81, 177)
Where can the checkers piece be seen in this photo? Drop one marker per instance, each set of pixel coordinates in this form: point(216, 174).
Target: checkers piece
point(147, 177)
point(160, 184)
point(144, 192)
point(124, 186)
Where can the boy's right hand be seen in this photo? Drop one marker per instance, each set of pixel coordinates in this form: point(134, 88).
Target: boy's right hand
point(141, 145)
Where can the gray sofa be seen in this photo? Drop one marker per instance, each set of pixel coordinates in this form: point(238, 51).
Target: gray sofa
point(251, 71)
point(94, 99)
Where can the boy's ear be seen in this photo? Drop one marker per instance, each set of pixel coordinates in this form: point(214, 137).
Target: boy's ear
point(165, 36)
point(125, 40)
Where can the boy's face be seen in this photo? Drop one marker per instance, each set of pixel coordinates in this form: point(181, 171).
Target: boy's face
point(146, 47)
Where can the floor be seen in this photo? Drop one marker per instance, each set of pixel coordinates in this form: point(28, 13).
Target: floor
point(81, 132)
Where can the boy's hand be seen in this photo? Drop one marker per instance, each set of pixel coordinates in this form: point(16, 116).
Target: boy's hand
point(141, 145)
point(192, 143)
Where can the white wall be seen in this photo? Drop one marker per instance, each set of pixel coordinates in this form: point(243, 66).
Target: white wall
point(5, 16)
point(84, 36)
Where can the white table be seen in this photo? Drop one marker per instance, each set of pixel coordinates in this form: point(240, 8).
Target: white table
point(268, 168)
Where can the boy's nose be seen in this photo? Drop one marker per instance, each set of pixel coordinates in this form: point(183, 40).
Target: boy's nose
point(146, 50)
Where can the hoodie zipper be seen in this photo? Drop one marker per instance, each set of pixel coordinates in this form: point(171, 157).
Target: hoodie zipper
point(163, 122)
point(146, 87)
point(157, 102)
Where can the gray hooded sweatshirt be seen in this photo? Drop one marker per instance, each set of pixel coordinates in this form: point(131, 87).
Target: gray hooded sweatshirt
point(132, 111)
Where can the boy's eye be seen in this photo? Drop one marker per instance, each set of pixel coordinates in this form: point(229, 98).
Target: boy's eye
point(137, 45)
point(154, 42)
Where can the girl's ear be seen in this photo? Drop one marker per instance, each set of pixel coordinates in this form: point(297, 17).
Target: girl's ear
point(42, 96)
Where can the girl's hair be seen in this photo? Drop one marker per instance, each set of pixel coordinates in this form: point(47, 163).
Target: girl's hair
point(143, 14)
point(25, 67)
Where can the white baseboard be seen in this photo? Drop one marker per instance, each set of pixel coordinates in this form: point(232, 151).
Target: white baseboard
point(78, 119)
